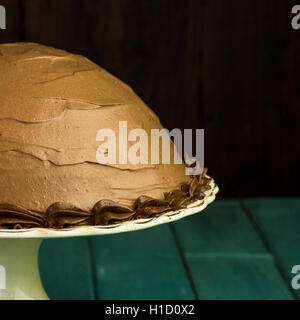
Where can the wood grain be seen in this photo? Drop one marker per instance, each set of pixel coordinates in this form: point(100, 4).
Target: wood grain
point(139, 265)
point(279, 220)
point(226, 257)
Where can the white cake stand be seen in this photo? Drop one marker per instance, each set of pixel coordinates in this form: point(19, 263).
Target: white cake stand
point(19, 271)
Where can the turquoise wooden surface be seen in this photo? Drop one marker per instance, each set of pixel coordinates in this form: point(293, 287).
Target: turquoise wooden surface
point(66, 269)
point(279, 221)
point(233, 250)
point(140, 265)
point(226, 257)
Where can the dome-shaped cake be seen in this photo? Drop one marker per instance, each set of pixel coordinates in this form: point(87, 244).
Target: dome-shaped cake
point(52, 104)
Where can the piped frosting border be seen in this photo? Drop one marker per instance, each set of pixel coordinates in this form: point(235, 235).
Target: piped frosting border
point(105, 212)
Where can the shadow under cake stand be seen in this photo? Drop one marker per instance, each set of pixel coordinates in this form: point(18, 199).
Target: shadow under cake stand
point(19, 269)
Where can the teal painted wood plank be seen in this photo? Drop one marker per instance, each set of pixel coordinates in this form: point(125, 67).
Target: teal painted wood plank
point(226, 257)
point(222, 227)
point(66, 270)
point(235, 278)
point(279, 219)
point(140, 265)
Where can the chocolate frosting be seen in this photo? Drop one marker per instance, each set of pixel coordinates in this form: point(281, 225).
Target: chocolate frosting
point(14, 217)
point(52, 104)
point(146, 207)
point(105, 212)
point(63, 215)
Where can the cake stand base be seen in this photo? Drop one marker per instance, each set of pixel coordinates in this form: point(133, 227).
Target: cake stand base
point(19, 271)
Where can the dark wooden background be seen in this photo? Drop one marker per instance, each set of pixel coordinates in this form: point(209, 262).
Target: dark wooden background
point(231, 67)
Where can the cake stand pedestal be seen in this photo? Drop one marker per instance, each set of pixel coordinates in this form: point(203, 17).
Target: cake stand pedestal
point(19, 271)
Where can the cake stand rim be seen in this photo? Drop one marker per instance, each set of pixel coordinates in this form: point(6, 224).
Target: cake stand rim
point(128, 226)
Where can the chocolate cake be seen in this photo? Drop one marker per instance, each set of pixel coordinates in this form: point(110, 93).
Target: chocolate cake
point(52, 104)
